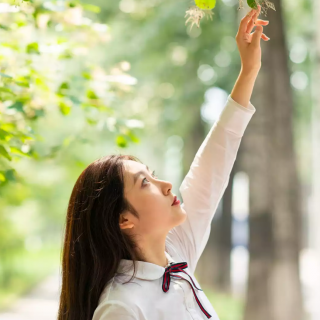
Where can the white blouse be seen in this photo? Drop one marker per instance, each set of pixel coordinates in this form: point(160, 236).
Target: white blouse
point(201, 191)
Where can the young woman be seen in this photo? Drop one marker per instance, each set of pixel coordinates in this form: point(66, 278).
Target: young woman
point(130, 248)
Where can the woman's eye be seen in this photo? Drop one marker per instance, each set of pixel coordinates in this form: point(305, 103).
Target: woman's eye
point(153, 174)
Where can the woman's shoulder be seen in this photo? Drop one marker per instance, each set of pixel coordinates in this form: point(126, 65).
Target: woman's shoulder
point(118, 290)
point(113, 310)
point(117, 299)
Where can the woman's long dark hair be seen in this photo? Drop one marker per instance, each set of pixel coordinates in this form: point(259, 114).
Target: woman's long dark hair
point(93, 241)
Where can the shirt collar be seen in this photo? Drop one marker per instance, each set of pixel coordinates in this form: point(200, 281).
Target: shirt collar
point(144, 270)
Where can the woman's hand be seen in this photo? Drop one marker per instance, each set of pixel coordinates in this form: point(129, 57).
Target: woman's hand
point(249, 43)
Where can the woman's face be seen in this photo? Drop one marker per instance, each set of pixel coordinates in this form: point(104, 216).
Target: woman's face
point(152, 199)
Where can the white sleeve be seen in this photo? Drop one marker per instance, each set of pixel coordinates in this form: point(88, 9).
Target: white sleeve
point(113, 310)
point(207, 179)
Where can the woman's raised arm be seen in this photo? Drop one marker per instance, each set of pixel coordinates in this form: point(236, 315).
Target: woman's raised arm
point(208, 177)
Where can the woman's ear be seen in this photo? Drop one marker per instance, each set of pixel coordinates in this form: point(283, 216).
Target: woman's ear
point(125, 222)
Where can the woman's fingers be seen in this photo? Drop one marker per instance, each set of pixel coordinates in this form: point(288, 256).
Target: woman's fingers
point(251, 17)
point(255, 42)
point(251, 22)
point(244, 22)
point(248, 22)
point(265, 22)
point(251, 25)
point(263, 36)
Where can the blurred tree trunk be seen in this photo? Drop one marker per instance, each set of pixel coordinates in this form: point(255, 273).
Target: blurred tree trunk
point(274, 289)
point(193, 140)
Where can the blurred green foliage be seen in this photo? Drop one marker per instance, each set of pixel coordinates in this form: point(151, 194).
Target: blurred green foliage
point(46, 64)
point(23, 269)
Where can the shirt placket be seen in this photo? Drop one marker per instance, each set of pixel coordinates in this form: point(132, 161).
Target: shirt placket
point(189, 300)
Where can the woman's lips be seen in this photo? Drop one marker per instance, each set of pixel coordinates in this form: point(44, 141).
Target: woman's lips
point(176, 201)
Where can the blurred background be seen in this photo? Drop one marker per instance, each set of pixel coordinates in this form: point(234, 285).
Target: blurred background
point(80, 80)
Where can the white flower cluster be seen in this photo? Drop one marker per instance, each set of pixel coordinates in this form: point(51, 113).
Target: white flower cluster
point(196, 14)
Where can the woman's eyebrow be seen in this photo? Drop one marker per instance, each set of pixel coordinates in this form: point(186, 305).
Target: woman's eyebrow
point(136, 175)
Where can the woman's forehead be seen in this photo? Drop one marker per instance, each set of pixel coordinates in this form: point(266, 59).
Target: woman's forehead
point(132, 166)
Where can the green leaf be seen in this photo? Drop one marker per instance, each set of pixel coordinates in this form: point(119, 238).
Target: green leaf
point(63, 89)
point(2, 177)
point(40, 83)
point(13, 46)
point(205, 4)
point(4, 134)
point(4, 153)
point(61, 40)
point(8, 126)
point(18, 151)
point(23, 137)
point(72, 4)
point(64, 85)
point(64, 108)
point(92, 95)
point(121, 141)
point(18, 106)
point(2, 26)
point(23, 84)
point(252, 4)
point(91, 121)
point(86, 75)
point(33, 48)
point(21, 23)
point(7, 90)
point(133, 138)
